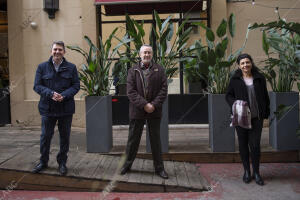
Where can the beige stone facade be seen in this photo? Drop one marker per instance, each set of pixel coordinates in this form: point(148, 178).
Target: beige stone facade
point(28, 46)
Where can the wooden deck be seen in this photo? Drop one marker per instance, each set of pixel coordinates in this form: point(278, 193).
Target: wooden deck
point(93, 172)
point(19, 153)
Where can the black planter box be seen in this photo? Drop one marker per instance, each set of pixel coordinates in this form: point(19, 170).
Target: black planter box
point(188, 109)
point(98, 124)
point(120, 110)
point(183, 109)
point(283, 131)
point(4, 107)
point(221, 135)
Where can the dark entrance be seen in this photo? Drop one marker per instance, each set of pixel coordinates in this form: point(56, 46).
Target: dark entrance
point(4, 75)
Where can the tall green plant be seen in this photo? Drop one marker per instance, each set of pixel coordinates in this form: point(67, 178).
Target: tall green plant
point(195, 70)
point(166, 54)
point(215, 56)
point(120, 71)
point(94, 74)
point(280, 43)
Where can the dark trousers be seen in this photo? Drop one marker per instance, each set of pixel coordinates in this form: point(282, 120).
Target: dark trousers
point(250, 138)
point(135, 132)
point(64, 128)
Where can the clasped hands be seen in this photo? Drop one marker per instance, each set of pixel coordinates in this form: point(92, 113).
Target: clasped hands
point(149, 108)
point(57, 97)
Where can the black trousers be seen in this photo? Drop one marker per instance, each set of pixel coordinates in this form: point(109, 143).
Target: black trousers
point(134, 137)
point(64, 128)
point(249, 139)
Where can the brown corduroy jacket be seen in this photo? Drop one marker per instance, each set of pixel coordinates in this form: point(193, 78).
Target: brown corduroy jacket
point(157, 91)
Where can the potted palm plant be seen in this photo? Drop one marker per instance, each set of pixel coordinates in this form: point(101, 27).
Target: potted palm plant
point(280, 41)
point(214, 57)
point(96, 82)
point(195, 71)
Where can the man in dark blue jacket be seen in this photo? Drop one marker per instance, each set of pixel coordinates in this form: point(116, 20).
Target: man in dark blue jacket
point(56, 81)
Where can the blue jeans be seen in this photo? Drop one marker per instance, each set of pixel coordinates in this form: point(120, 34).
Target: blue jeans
point(64, 128)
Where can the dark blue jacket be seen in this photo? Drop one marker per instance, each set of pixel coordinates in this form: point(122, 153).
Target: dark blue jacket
point(64, 82)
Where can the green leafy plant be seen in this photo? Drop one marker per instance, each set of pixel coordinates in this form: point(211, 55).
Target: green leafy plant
point(94, 74)
point(293, 27)
point(281, 44)
point(120, 71)
point(166, 54)
point(195, 71)
point(215, 56)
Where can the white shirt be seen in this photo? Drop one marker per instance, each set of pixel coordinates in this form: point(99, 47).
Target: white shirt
point(248, 81)
point(56, 66)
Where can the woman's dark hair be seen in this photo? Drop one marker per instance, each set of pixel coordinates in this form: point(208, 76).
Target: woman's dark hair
point(242, 56)
point(245, 55)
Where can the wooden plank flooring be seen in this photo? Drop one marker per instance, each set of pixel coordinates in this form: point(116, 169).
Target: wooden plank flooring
point(96, 171)
point(19, 153)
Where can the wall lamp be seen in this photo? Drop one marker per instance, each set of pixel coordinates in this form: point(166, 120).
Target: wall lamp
point(51, 6)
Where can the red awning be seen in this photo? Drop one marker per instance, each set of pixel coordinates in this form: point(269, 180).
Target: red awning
point(137, 7)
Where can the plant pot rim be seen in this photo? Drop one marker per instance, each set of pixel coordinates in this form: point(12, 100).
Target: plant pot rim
point(283, 92)
point(97, 96)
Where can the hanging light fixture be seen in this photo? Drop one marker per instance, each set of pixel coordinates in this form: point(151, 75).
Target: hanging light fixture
point(51, 6)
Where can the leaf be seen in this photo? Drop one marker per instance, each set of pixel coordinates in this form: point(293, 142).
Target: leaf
point(171, 71)
point(140, 28)
point(157, 20)
point(224, 44)
point(219, 50)
point(291, 26)
point(92, 67)
point(272, 74)
point(231, 24)
point(225, 64)
point(204, 56)
point(210, 35)
point(221, 30)
point(265, 43)
point(171, 32)
point(211, 58)
point(181, 26)
point(281, 111)
point(79, 50)
point(166, 22)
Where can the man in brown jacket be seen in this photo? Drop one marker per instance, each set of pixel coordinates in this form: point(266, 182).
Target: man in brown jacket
point(147, 89)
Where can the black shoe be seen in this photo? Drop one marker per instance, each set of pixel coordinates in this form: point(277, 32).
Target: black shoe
point(162, 174)
point(62, 169)
point(258, 179)
point(39, 167)
point(124, 170)
point(247, 176)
